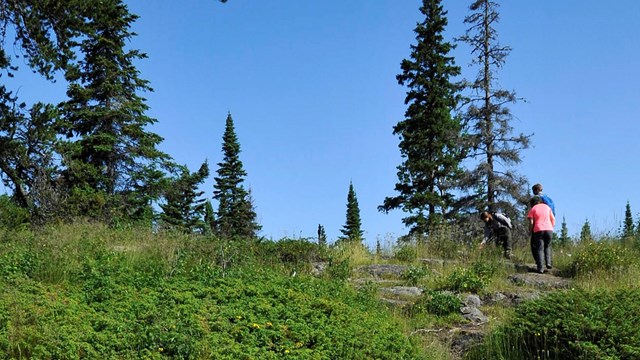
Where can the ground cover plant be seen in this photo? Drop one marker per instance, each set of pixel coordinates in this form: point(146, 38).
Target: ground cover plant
point(574, 324)
point(90, 292)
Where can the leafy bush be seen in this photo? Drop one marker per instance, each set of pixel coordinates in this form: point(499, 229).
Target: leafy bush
point(338, 269)
point(570, 325)
point(406, 253)
point(11, 215)
point(413, 274)
point(601, 256)
point(439, 303)
point(159, 299)
point(464, 280)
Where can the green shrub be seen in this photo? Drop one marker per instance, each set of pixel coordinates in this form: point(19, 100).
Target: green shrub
point(601, 256)
point(11, 215)
point(439, 303)
point(406, 253)
point(569, 325)
point(413, 275)
point(464, 280)
point(159, 298)
point(338, 269)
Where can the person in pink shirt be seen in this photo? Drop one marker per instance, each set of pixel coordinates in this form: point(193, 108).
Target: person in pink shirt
point(541, 223)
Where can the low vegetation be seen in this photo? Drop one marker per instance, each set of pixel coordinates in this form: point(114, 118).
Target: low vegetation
point(90, 291)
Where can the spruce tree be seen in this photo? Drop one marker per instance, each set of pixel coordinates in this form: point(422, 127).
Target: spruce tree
point(44, 35)
point(352, 228)
point(236, 215)
point(209, 218)
point(430, 136)
point(564, 233)
point(493, 182)
point(585, 232)
point(110, 153)
point(628, 230)
point(184, 209)
point(322, 236)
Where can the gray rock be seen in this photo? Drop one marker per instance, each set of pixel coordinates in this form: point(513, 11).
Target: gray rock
point(382, 270)
point(472, 300)
point(540, 281)
point(410, 291)
point(473, 314)
point(318, 268)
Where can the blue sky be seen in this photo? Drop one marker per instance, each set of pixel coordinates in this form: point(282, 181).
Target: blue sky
point(311, 87)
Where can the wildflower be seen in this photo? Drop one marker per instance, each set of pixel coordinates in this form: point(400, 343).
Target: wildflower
point(268, 324)
point(255, 326)
point(160, 349)
point(286, 351)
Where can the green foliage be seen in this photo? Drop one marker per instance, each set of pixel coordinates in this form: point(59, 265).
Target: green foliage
point(12, 216)
point(465, 280)
point(430, 136)
point(564, 239)
point(293, 252)
point(603, 255)
point(109, 148)
point(339, 269)
point(413, 274)
point(184, 210)
point(585, 232)
point(322, 236)
point(132, 294)
point(628, 230)
point(493, 181)
point(569, 325)
point(236, 215)
point(406, 253)
point(352, 229)
point(441, 303)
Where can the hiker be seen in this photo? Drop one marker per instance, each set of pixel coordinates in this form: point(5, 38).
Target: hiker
point(541, 223)
point(537, 191)
point(497, 226)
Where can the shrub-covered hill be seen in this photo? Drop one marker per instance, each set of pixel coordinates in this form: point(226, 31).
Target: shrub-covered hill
point(89, 292)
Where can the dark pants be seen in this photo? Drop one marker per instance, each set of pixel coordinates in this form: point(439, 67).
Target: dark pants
point(504, 239)
point(541, 248)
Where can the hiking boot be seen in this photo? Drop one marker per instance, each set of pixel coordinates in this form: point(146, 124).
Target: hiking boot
point(508, 254)
point(549, 267)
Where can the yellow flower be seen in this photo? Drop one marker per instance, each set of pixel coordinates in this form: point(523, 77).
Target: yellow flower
point(268, 324)
point(160, 349)
point(255, 326)
point(286, 351)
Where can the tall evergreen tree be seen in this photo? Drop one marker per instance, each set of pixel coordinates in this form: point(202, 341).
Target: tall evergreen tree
point(352, 229)
point(564, 233)
point(493, 181)
point(585, 232)
point(184, 209)
point(110, 153)
point(44, 34)
point(628, 230)
point(236, 215)
point(209, 218)
point(430, 136)
point(322, 236)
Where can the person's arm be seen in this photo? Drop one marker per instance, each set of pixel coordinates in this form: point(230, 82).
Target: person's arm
point(553, 219)
point(530, 225)
point(487, 235)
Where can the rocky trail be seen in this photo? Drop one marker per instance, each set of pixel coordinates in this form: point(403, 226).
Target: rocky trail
point(524, 284)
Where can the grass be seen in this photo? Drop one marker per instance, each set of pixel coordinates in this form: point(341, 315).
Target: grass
point(86, 290)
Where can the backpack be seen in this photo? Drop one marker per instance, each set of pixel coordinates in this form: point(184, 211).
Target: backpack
point(503, 219)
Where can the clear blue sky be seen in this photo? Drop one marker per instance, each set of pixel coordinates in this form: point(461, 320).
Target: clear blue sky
point(311, 87)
